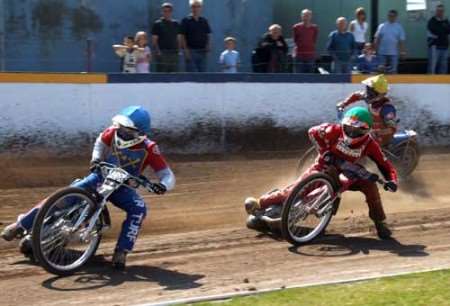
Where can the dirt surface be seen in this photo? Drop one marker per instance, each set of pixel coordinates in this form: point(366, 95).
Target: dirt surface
point(194, 242)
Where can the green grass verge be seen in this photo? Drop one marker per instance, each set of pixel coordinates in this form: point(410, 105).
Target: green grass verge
point(427, 289)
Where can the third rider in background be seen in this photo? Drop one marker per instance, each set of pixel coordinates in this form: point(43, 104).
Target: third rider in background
point(383, 112)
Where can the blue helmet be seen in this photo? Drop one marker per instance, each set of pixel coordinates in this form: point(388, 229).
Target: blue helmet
point(133, 124)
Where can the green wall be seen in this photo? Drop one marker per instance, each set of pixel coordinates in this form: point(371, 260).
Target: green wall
point(287, 13)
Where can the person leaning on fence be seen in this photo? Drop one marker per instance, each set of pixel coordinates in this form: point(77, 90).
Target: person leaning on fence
point(341, 46)
point(368, 62)
point(129, 53)
point(390, 42)
point(305, 36)
point(166, 40)
point(230, 58)
point(358, 27)
point(196, 32)
point(270, 56)
point(438, 42)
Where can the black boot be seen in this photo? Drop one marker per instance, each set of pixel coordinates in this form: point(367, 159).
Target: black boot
point(383, 230)
point(119, 260)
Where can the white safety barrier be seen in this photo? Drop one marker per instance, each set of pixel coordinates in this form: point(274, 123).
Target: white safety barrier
point(199, 117)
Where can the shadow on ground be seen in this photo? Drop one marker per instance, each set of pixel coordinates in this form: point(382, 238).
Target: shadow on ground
point(99, 274)
point(339, 245)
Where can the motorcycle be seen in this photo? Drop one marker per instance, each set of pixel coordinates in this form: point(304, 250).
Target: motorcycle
point(315, 200)
point(69, 226)
point(403, 152)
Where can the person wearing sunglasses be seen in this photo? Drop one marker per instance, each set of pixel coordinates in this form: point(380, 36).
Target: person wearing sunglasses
point(348, 141)
point(383, 111)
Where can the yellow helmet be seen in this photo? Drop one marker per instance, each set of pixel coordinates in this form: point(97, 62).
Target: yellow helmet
point(378, 83)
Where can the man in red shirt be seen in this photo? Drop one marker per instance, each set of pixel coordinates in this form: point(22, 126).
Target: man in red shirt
point(305, 36)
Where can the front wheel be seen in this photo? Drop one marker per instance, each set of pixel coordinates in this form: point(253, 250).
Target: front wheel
point(61, 244)
point(306, 160)
point(309, 208)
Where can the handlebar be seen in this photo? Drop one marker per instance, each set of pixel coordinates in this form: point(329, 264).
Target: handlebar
point(352, 170)
point(141, 180)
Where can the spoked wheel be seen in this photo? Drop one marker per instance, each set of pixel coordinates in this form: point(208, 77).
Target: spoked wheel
point(309, 208)
point(405, 159)
point(308, 159)
point(60, 241)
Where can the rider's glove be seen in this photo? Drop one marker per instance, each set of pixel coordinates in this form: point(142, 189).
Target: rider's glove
point(390, 186)
point(340, 107)
point(159, 188)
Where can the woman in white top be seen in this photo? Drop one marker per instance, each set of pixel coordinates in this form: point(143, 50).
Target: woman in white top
point(359, 28)
point(145, 56)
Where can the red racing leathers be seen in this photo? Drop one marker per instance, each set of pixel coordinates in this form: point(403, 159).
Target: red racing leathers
point(384, 116)
point(330, 138)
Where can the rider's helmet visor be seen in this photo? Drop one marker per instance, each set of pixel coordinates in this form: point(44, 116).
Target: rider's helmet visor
point(371, 93)
point(355, 132)
point(127, 134)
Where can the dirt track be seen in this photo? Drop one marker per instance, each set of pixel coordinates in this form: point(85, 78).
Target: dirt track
point(194, 242)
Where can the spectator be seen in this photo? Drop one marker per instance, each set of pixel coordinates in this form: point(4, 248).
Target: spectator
point(390, 42)
point(128, 53)
point(368, 62)
point(341, 45)
point(272, 50)
point(358, 28)
point(196, 34)
point(145, 55)
point(305, 36)
point(438, 32)
point(230, 58)
point(166, 40)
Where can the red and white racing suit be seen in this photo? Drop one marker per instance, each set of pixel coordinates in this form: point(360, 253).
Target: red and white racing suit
point(330, 138)
point(384, 116)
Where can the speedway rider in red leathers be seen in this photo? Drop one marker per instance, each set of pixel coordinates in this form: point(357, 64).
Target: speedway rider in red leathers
point(350, 141)
point(383, 112)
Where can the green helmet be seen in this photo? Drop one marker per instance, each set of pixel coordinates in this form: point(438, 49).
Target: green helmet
point(358, 117)
point(356, 125)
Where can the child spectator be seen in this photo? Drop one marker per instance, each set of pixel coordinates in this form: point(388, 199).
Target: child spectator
point(145, 54)
point(368, 62)
point(128, 53)
point(230, 58)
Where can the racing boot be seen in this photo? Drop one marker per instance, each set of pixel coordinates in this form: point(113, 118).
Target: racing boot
point(12, 231)
point(26, 247)
point(255, 212)
point(383, 230)
point(119, 260)
point(251, 206)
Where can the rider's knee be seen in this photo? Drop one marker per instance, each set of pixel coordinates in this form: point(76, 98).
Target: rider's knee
point(138, 208)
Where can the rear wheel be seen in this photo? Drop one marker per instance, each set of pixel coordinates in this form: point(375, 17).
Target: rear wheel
point(61, 244)
point(309, 209)
point(405, 159)
point(306, 160)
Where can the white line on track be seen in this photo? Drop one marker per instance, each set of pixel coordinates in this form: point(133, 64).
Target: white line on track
point(226, 296)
